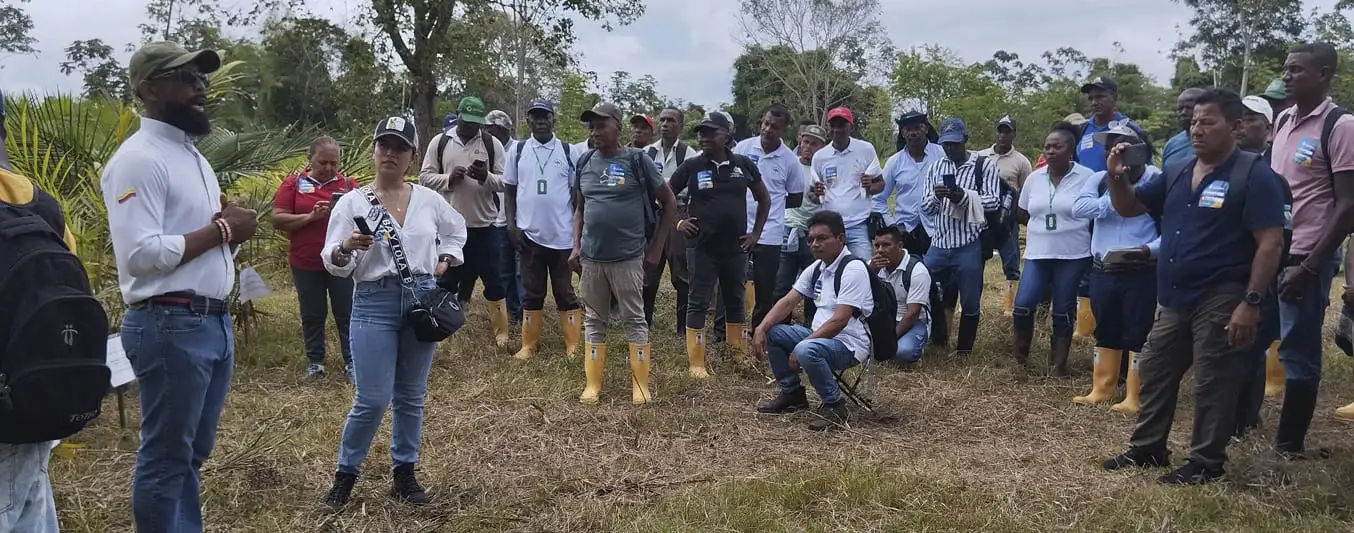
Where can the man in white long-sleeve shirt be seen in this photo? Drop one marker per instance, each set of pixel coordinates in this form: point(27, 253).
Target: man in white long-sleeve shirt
point(465, 164)
point(173, 236)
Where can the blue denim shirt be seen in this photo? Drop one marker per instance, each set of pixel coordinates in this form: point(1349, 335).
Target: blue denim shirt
point(1207, 242)
point(906, 177)
point(1111, 230)
point(1178, 149)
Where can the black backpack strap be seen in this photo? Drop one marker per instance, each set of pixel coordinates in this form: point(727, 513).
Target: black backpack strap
point(1327, 128)
point(978, 173)
point(681, 152)
point(442, 149)
point(488, 141)
point(653, 153)
point(567, 157)
point(912, 261)
point(1240, 178)
point(1173, 174)
point(517, 159)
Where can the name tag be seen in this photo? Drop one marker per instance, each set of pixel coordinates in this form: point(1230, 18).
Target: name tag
point(830, 175)
point(754, 157)
point(818, 290)
point(1088, 143)
point(306, 186)
point(704, 180)
point(658, 164)
point(1306, 149)
point(615, 175)
point(1214, 195)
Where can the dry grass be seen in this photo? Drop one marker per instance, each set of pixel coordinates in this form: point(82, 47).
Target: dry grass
point(961, 445)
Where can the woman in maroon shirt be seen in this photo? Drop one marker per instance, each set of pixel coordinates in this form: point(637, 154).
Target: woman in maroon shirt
point(301, 210)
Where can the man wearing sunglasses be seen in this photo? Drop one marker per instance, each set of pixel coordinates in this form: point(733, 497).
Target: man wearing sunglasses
point(173, 236)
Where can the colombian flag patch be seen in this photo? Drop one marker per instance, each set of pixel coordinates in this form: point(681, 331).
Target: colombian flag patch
point(126, 195)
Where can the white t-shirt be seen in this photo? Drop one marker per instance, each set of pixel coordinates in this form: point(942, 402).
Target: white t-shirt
point(1053, 233)
point(502, 219)
point(431, 228)
point(543, 177)
point(840, 171)
point(855, 293)
point(783, 175)
point(918, 291)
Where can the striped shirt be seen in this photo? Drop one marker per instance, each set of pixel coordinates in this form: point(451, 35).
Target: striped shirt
point(951, 232)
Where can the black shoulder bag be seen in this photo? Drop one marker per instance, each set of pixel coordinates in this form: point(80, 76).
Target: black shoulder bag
point(437, 313)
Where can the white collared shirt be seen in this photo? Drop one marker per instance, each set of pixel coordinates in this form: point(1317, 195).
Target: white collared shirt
point(783, 175)
point(1054, 231)
point(667, 163)
point(918, 290)
point(841, 171)
point(855, 292)
point(158, 188)
point(431, 228)
point(543, 178)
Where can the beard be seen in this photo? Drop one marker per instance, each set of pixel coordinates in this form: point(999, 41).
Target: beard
point(191, 121)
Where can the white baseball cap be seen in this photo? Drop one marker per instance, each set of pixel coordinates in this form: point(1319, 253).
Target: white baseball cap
point(1259, 106)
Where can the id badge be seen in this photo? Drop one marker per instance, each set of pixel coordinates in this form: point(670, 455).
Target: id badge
point(830, 175)
point(705, 180)
point(1051, 222)
point(791, 243)
point(541, 186)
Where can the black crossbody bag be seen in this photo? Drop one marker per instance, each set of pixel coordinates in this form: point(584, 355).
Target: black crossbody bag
point(436, 314)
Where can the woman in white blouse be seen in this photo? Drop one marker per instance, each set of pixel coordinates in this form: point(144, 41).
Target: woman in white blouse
point(390, 364)
point(1057, 248)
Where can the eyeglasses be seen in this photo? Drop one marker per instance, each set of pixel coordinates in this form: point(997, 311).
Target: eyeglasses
point(815, 239)
point(183, 76)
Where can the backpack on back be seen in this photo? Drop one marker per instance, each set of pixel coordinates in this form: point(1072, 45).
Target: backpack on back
point(880, 324)
point(1237, 182)
point(680, 148)
point(635, 160)
point(53, 332)
point(484, 138)
point(517, 158)
point(1000, 220)
point(1327, 128)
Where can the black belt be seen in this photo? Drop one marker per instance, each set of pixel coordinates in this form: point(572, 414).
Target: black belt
point(184, 300)
point(1098, 266)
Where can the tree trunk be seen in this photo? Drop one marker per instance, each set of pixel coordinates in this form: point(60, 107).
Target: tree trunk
point(425, 110)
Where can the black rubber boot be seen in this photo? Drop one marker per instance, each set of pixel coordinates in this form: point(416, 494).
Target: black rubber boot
point(1057, 357)
point(1299, 402)
point(405, 486)
point(1020, 351)
point(968, 332)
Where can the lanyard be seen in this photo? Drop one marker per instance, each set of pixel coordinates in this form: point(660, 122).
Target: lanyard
point(542, 163)
point(1052, 191)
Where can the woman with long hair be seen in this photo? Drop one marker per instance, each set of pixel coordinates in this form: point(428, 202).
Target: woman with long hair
point(1057, 247)
point(376, 232)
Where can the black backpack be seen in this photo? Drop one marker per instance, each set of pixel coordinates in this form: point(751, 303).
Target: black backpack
point(881, 324)
point(485, 138)
point(1000, 220)
point(636, 160)
point(681, 148)
point(53, 332)
point(1237, 182)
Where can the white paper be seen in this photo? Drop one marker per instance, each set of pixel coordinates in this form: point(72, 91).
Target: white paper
point(252, 286)
point(118, 363)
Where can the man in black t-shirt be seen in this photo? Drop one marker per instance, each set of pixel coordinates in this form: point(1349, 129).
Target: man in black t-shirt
point(718, 182)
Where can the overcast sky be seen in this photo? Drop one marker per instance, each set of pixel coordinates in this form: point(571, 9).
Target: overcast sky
point(689, 45)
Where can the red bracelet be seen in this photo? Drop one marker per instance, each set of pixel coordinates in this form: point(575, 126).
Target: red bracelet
point(226, 234)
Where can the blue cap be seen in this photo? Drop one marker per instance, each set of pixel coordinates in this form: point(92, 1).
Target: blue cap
point(448, 122)
point(952, 131)
point(541, 104)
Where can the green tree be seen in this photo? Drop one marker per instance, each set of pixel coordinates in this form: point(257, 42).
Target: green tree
point(299, 56)
point(15, 25)
point(1230, 35)
point(573, 99)
point(102, 74)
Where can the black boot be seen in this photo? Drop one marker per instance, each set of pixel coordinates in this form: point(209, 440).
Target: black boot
point(339, 493)
point(1299, 402)
point(1057, 357)
point(968, 331)
point(405, 486)
point(1020, 351)
point(795, 400)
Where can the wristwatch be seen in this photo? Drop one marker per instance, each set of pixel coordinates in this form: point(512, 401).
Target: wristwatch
point(1254, 298)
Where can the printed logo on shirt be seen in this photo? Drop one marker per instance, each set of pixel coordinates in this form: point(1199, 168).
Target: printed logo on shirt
point(736, 173)
point(1213, 195)
point(658, 164)
point(818, 290)
point(306, 186)
point(705, 180)
point(830, 175)
point(615, 175)
point(126, 195)
point(1306, 149)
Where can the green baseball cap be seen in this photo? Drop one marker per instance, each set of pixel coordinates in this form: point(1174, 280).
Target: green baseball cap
point(1275, 91)
point(157, 57)
point(471, 110)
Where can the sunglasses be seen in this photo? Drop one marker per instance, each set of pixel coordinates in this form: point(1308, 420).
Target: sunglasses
point(183, 76)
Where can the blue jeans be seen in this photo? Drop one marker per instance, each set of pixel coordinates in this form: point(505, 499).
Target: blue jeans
point(858, 241)
point(1124, 305)
point(26, 504)
point(910, 345)
point(484, 250)
point(791, 265)
point(1064, 277)
point(512, 278)
point(392, 370)
point(817, 357)
point(1010, 254)
point(183, 362)
point(962, 268)
point(1301, 321)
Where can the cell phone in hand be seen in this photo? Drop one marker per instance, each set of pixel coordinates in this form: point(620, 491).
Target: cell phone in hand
point(479, 163)
point(362, 226)
point(334, 198)
point(949, 181)
point(1136, 155)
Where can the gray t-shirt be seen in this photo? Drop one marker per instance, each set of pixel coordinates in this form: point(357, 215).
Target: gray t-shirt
point(614, 210)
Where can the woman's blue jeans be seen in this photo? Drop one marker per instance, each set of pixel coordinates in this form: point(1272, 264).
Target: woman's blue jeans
point(392, 370)
point(1063, 277)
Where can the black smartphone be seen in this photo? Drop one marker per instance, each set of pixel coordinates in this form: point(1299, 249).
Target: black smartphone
point(949, 181)
point(334, 198)
point(1136, 155)
point(362, 225)
point(479, 163)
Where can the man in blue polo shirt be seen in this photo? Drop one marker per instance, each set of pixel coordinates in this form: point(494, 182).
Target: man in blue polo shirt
point(1103, 96)
point(1219, 254)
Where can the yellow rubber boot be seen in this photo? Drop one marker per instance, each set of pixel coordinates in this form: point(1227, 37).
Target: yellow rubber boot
point(1345, 413)
point(531, 334)
point(640, 355)
point(749, 298)
point(1104, 377)
point(1008, 299)
point(498, 317)
point(1085, 318)
point(571, 327)
point(734, 337)
point(695, 352)
point(1131, 386)
point(593, 365)
point(1274, 372)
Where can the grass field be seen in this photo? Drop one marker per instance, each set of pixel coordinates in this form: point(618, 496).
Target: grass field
point(959, 445)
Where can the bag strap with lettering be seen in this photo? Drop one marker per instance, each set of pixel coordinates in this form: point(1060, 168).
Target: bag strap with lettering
point(387, 226)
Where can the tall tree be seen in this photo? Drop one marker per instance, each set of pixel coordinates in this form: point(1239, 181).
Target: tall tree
point(1230, 34)
point(103, 75)
point(831, 46)
point(298, 64)
point(15, 24)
